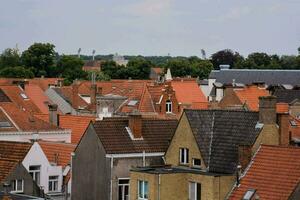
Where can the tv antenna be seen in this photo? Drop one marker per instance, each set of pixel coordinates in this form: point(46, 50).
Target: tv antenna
point(93, 54)
point(203, 54)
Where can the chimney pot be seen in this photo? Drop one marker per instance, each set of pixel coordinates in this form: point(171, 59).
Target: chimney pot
point(93, 94)
point(53, 116)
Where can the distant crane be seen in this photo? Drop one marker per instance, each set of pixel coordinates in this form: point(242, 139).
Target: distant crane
point(93, 54)
point(79, 50)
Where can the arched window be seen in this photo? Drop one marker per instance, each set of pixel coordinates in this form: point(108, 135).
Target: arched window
point(168, 106)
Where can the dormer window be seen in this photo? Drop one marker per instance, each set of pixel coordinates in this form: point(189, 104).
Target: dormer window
point(168, 106)
point(184, 156)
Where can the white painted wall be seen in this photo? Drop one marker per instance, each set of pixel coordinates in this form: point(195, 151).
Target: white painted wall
point(205, 90)
point(36, 156)
point(64, 136)
point(219, 94)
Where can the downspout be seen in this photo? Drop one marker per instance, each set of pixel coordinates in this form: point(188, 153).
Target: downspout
point(144, 159)
point(111, 176)
point(158, 188)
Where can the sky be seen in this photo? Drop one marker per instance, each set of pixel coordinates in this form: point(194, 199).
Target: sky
point(152, 27)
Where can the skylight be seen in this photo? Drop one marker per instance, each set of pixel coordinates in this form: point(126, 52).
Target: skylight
point(5, 124)
point(24, 96)
point(132, 102)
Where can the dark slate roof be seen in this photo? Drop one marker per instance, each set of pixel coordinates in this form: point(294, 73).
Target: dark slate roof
point(4, 97)
point(11, 196)
point(116, 140)
point(219, 133)
point(287, 96)
point(247, 76)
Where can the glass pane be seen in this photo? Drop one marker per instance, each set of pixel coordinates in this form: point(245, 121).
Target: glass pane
point(37, 178)
point(123, 181)
point(35, 167)
point(55, 185)
point(182, 156)
point(187, 155)
point(19, 185)
point(13, 185)
point(120, 193)
point(198, 191)
point(145, 189)
point(50, 186)
point(140, 189)
point(192, 191)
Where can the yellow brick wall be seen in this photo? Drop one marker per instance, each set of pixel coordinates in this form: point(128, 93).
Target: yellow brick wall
point(175, 186)
point(268, 135)
point(183, 138)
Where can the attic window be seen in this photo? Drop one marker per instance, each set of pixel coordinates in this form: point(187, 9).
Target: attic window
point(24, 96)
point(132, 102)
point(249, 194)
point(5, 124)
point(293, 123)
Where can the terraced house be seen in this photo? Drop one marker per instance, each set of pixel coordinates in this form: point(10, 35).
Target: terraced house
point(207, 152)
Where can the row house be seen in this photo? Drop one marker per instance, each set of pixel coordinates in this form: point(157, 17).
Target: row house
point(48, 163)
point(110, 147)
point(219, 78)
point(208, 151)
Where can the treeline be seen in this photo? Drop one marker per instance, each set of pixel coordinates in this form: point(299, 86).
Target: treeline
point(40, 59)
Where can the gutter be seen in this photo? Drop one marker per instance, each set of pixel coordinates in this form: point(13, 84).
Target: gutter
point(134, 155)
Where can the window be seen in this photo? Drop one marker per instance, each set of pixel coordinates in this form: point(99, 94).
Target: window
point(17, 185)
point(168, 106)
point(184, 156)
point(24, 96)
point(123, 189)
point(143, 190)
point(35, 172)
point(196, 162)
point(194, 191)
point(53, 183)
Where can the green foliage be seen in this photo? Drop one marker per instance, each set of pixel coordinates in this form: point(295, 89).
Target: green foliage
point(226, 57)
point(16, 72)
point(192, 66)
point(10, 58)
point(100, 76)
point(138, 68)
point(40, 57)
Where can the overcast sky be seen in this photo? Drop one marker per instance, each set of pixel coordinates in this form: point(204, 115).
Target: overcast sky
point(152, 27)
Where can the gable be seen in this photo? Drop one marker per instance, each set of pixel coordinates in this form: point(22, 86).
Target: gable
point(183, 138)
point(230, 99)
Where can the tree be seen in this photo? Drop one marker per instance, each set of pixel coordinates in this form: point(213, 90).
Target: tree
point(139, 68)
point(100, 76)
point(16, 72)
point(226, 57)
point(40, 57)
point(10, 58)
point(70, 68)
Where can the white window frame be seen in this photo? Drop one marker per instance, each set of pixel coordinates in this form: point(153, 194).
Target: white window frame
point(123, 187)
point(143, 190)
point(52, 183)
point(185, 159)
point(34, 173)
point(169, 106)
point(16, 190)
point(193, 196)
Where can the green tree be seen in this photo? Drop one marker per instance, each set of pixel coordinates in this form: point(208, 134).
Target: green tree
point(226, 57)
point(10, 58)
point(16, 72)
point(40, 57)
point(139, 68)
point(100, 76)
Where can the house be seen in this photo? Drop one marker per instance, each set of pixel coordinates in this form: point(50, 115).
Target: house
point(217, 78)
point(110, 147)
point(245, 97)
point(14, 178)
point(48, 163)
point(208, 149)
point(20, 125)
point(156, 73)
point(120, 60)
point(273, 173)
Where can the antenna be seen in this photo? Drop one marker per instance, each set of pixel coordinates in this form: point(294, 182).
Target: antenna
point(93, 78)
point(203, 54)
point(93, 54)
point(79, 50)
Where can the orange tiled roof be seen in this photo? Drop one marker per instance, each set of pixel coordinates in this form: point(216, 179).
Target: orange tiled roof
point(188, 91)
point(157, 70)
point(44, 83)
point(22, 120)
point(282, 107)
point(250, 95)
point(77, 124)
point(14, 93)
point(59, 153)
point(274, 173)
point(6, 167)
point(36, 94)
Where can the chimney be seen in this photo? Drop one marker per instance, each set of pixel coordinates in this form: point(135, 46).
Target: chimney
point(53, 117)
point(135, 124)
point(284, 124)
point(93, 94)
point(267, 110)
point(75, 90)
point(99, 91)
point(244, 156)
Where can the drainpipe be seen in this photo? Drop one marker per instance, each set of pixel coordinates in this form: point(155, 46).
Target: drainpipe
point(158, 190)
point(144, 159)
point(111, 176)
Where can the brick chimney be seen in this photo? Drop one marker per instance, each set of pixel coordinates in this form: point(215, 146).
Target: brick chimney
point(53, 116)
point(135, 124)
point(75, 90)
point(93, 94)
point(99, 91)
point(244, 156)
point(284, 124)
point(267, 110)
